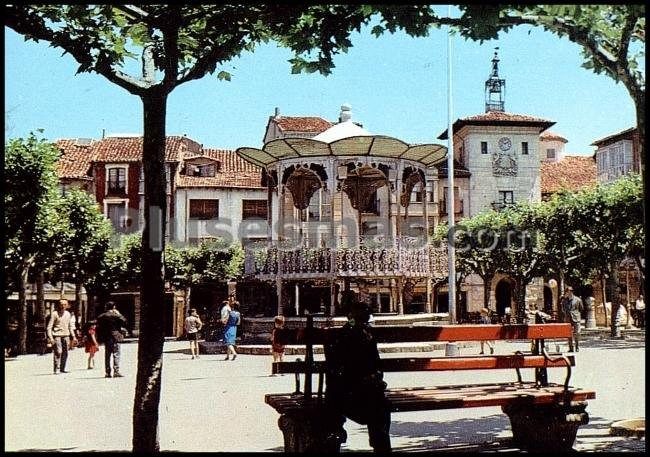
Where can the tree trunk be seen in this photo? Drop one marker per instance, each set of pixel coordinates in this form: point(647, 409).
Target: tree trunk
point(603, 285)
point(560, 294)
point(151, 338)
point(613, 292)
point(22, 309)
point(639, 103)
point(77, 302)
point(520, 299)
point(40, 300)
point(487, 287)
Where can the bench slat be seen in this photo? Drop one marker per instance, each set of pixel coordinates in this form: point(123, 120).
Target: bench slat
point(439, 363)
point(464, 396)
point(395, 334)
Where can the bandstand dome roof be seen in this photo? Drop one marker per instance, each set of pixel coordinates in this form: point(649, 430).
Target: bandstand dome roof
point(343, 139)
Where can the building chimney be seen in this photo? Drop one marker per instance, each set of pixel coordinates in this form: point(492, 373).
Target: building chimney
point(346, 113)
point(277, 111)
point(103, 133)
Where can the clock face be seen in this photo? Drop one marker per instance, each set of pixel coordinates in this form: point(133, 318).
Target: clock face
point(504, 143)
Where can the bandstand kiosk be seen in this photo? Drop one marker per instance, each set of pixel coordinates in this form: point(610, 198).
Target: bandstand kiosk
point(339, 222)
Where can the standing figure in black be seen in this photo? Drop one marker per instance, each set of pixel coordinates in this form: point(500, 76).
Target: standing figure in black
point(355, 385)
point(110, 332)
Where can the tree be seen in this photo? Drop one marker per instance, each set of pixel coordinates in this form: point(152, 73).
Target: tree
point(87, 239)
point(478, 248)
point(179, 43)
point(31, 220)
point(615, 230)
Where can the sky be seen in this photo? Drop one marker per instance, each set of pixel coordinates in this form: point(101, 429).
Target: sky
point(395, 84)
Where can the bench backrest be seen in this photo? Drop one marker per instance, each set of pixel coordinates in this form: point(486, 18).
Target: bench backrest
point(310, 336)
point(403, 334)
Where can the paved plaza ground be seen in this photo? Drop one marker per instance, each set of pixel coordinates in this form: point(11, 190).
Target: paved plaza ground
point(214, 405)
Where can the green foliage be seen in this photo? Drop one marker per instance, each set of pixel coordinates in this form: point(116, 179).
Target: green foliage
point(577, 234)
point(122, 266)
point(31, 199)
point(211, 261)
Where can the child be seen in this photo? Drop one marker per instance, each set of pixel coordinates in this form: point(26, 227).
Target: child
point(277, 349)
point(90, 343)
point(485, 319)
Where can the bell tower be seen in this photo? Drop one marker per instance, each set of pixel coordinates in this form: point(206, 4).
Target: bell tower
point(495, 87)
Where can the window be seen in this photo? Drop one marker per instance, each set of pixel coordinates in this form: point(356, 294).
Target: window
point(524, 147)
point(373, 205)
point(319, 208)
point(204, 209)
point(506, 196)
point(484, 147)
point(116, 181)
point(458, 204)
point(254, 209)
point(550, 153)
point(416, 196)
point(207, 170)
point(116, 213)
point(200, 170)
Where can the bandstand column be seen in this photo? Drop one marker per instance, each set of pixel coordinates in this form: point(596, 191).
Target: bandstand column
point(400, 298)
point(297, 300)
point(280, 231)
point(333, 244)
point(425, 210)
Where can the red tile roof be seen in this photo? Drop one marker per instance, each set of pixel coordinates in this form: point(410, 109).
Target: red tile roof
point(570, 173)
point(302, 124)
point(234, 172)
point(499, 118)
point(625, 134)
point(74, 162)
point(129, 149)
point(552, 136)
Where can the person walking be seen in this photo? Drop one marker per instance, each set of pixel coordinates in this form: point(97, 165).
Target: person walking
point(485, 319)
point(571, 308)
point(90, 343)
point(109, 329)
point(60, 333)
point(230, 330)
point(639, 312)
point(192, 326)
point(277, 348)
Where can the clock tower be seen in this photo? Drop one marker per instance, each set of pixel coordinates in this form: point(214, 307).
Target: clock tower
point(495, 87)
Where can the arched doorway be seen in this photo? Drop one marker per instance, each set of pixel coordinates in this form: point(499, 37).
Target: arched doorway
point(503, 293)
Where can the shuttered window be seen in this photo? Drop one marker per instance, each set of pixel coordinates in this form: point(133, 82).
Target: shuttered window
point(254, 209)
point(204, 209)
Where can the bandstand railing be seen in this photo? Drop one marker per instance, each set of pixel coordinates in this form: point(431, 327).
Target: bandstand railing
point(372, 259)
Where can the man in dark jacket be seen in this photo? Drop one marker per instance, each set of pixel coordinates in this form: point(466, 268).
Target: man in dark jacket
point(355, 385)
point(109, 332)
point(572, 308)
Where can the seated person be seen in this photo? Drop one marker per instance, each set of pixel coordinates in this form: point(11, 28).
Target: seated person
point(355, 386)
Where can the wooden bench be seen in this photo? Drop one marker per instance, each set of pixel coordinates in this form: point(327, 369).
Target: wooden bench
point(543, 415)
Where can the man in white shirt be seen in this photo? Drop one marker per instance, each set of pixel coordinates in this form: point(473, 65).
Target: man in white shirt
point(639, 312)
point(60, 331)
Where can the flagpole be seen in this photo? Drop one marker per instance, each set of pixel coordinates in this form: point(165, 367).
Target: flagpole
point(451, 207)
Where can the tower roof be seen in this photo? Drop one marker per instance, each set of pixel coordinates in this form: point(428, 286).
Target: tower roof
point(500, 118)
